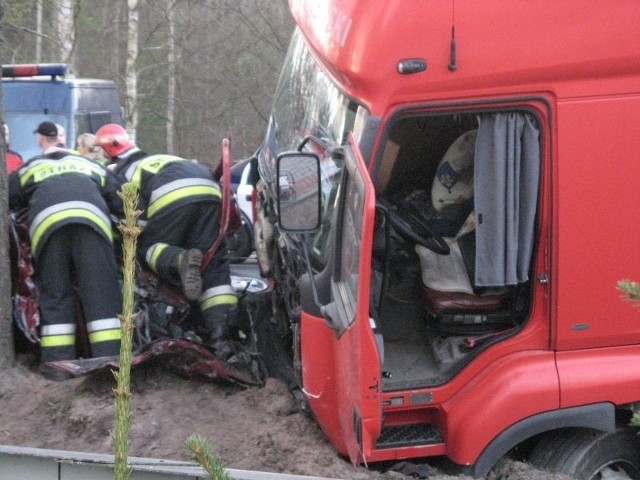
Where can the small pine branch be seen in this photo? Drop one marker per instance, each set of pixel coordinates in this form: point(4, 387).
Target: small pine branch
point(631, 291)
point(199, 451)
point(130, 232)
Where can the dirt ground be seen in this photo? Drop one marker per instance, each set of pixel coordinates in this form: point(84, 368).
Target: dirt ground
point(248, 428)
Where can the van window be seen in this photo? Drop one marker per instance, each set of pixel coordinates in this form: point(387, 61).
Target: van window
point(90, 122)
point(22, 125)
point(308, 103)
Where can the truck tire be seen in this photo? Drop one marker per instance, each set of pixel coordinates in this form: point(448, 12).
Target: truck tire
point(587, 454)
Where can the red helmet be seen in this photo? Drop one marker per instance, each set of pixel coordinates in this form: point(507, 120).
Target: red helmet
point(114, 139)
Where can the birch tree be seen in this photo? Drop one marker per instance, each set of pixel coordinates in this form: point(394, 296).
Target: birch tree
point(171, 82)
point(131, 72)
point(187, 70)
point(66, 23)
point(38, 29)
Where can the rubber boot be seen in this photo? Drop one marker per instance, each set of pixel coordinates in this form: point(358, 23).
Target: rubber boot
point(189, 263)
point(52, 354)
point(217, 327)
point(105, 349)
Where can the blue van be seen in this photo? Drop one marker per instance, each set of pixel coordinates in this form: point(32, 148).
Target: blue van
point(36, 92)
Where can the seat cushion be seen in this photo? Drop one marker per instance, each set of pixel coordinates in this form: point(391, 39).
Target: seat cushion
point(445, 273)
point(438, 302)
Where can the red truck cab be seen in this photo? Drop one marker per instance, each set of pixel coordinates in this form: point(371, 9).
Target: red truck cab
point(445, 207)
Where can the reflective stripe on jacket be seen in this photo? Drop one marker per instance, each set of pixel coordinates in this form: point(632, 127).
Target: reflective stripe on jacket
point(59, 189)
point(167, 180)
point(67, 212)
point(39, 170)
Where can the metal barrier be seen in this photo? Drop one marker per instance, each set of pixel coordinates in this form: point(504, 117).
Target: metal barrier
point(36, 464)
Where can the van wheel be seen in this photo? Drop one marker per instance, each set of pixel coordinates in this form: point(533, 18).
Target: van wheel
point(587, 454)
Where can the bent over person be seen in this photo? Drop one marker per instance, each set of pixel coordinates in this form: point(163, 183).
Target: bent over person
point(181, 205)
point(71, 240)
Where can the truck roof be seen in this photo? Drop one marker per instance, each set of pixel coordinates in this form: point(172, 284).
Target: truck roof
point(499, 47)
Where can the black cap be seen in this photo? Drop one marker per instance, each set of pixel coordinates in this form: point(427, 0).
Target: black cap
point(48, 129)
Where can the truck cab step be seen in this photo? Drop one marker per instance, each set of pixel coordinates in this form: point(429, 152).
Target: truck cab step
point(408, 436)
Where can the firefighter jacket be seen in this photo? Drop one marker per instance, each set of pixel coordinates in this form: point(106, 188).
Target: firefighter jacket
point(166, 182)
point(58, 189)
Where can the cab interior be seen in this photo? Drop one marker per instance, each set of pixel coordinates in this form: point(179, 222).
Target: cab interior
point(448, 210)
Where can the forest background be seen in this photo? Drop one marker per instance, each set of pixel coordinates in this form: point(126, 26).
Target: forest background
point(188, 72)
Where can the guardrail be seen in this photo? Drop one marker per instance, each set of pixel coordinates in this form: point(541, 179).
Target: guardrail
point(37, 464)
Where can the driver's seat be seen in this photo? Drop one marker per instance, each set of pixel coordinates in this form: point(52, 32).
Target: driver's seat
point(449, 293)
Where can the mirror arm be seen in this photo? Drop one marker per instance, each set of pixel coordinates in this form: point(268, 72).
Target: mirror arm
point(307, 261)
point(311, 138)
point(327, 311)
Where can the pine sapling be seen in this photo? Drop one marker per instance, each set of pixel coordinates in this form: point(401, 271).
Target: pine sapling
point(200, 451)
point(631, 291)
point(130, 232)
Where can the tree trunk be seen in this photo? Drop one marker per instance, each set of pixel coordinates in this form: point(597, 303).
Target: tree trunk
point(171, 86)
point(67, 32)
point(131, 73)
point(38, 31)
point(7, 357)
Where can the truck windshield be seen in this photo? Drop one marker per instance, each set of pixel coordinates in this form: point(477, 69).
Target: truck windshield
point(308, 102)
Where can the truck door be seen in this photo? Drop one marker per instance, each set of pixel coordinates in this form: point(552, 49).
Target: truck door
point(357, 359)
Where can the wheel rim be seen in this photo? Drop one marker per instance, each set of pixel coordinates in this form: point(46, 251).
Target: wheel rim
point(617, 470)
point(248, 284)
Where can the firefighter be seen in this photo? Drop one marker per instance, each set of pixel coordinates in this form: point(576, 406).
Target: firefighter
point(13, 158)
point(181, 205)
point(71, 239)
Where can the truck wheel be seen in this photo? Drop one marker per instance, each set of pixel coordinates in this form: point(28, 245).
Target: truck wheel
point(587, 454)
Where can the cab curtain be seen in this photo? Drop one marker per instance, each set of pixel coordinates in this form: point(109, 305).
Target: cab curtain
point(507, 174)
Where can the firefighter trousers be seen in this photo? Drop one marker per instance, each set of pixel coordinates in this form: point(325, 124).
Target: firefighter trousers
point(78, 267)
point(163, 243)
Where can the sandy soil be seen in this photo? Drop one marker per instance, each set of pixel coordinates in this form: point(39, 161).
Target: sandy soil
point(251, 429)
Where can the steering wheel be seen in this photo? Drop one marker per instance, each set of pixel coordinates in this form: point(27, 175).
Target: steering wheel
point(412, 227)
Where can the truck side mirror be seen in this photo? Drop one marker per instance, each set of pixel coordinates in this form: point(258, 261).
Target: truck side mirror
point(299, 193)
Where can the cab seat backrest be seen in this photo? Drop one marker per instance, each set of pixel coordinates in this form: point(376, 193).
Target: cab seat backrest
point(448, 280)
